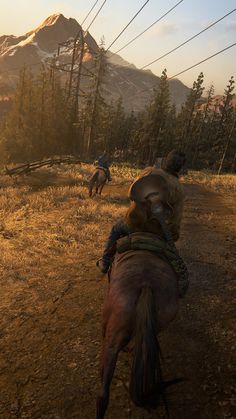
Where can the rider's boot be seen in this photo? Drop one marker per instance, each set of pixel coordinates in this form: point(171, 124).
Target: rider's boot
point(104, 264)
point(108, 175)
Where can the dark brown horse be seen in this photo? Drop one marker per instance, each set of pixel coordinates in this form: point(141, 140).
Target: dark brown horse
point(142, 300)
point(98, 179)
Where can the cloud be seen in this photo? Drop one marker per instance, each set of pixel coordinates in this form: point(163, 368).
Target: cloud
point(231, 26)
point(163, 30)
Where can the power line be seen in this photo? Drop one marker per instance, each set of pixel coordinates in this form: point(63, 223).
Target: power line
point(188, 40)
point(78, 34)
point(149, 27)
point(118, 36)
point(189, 68)
point(86, 17)
point(96, 15)
point(203, 61)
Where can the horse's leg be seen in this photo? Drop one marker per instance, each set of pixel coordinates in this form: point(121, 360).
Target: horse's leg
point(101, 188)
point(93, 180)
point(116, 337)
point(110, 354)
point(91, 188)
point(97, 186)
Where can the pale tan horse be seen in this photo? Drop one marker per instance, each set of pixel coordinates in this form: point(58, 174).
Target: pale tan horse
point(97, 180)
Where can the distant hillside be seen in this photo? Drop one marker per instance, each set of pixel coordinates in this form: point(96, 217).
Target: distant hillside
point(216, 102)
point(40, 44)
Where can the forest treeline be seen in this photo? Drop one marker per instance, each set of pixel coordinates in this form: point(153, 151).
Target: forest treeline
point(44, 121)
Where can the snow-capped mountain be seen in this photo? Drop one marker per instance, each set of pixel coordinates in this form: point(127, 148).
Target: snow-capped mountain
point(41, 44)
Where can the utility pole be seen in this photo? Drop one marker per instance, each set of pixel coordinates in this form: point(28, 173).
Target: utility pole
point(95, 101)
point(75, 66)
point(22, 93)
point(78, 81)
point(42, 110)
point(52, 75)
point(74, 69)
point(75, 47)
point(78, 72)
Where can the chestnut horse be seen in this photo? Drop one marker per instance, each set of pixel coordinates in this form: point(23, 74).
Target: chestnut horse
point(98, 179)
point(142, 300)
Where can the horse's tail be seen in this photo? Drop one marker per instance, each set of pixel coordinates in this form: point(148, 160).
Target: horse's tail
point(146, 381)
point(92, 181)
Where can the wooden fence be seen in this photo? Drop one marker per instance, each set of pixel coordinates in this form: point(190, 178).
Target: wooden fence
point(29, 167)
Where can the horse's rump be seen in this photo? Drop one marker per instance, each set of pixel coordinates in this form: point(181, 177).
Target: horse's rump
point(142, 299)
point(99, 174)
point(97, 179)
point(133, 270)
point(103, 169)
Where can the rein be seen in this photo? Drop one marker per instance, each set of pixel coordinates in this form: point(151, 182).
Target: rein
point(179, 264)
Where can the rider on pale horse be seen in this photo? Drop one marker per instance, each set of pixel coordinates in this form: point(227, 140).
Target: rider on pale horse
point(157, 208)
point(103, 162)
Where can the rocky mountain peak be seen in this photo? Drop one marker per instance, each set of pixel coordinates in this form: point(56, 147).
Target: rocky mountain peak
point(53, 19)
point(41, 44)
point(55, 29)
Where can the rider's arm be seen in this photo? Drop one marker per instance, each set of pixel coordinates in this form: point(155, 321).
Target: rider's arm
point(118, 230)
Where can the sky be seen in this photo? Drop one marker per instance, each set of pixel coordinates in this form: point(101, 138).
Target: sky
point(189, 18)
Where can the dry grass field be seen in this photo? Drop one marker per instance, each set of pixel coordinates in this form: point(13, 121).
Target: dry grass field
point(224, 183)
point(51, 234)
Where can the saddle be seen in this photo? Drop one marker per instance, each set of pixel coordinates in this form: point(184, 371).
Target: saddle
point(102, 168)
point(151, 242)
point(144, 241)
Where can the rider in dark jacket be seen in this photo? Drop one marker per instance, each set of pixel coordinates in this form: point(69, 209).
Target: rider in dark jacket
point(104, 162)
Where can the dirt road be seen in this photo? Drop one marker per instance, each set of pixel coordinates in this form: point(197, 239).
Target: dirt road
point(50, 325)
